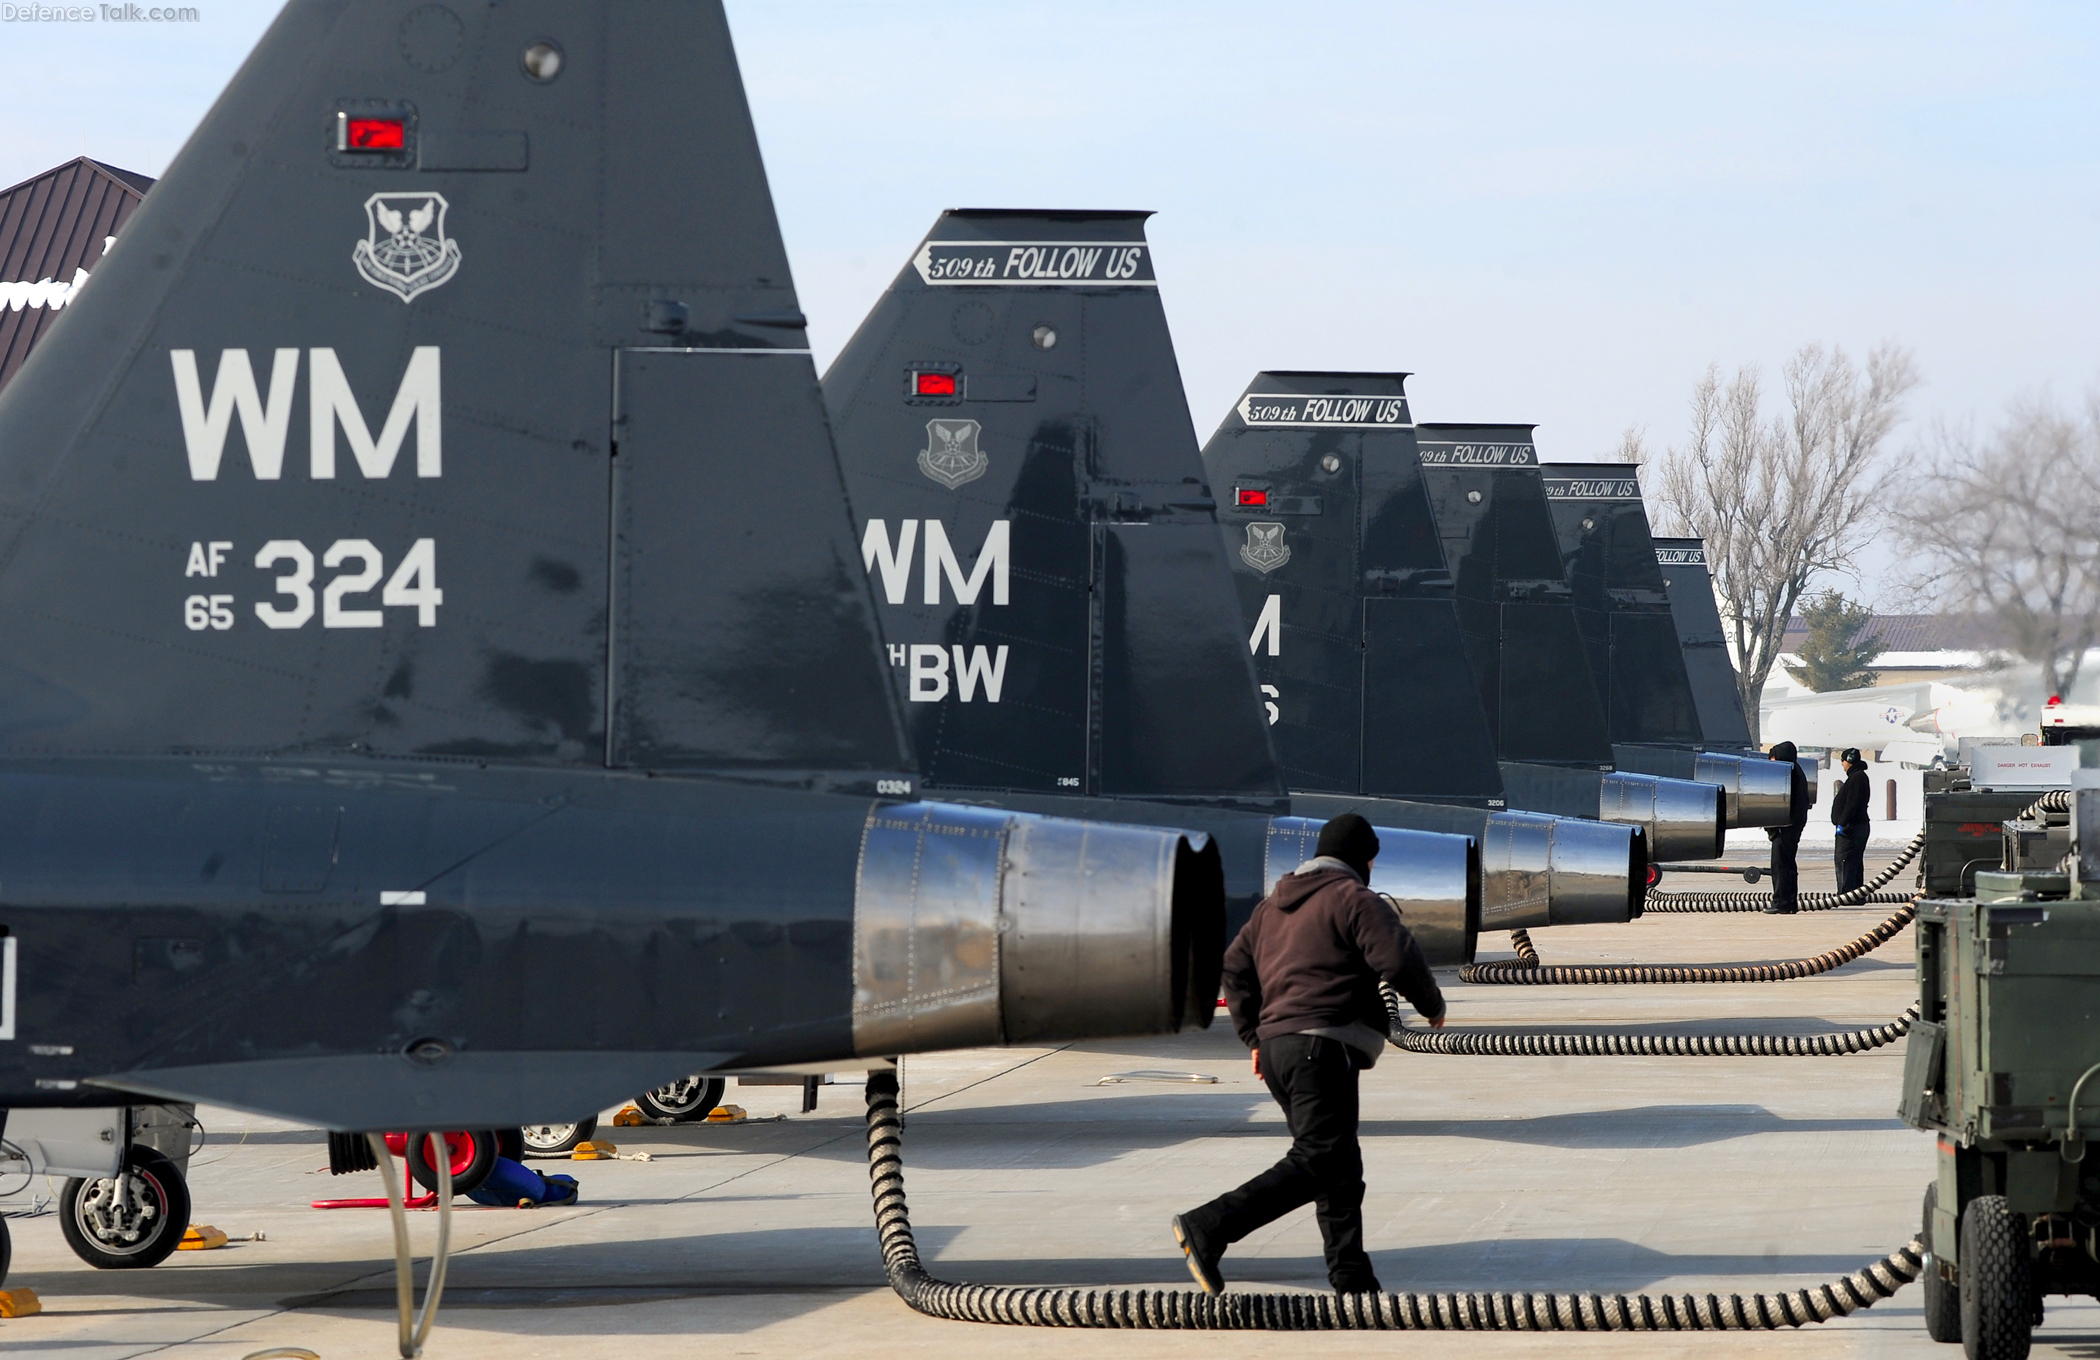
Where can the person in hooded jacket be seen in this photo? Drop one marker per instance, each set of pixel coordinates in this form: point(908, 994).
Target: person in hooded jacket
point(1848, 813)
point(1786, 840)
point(1301, 982)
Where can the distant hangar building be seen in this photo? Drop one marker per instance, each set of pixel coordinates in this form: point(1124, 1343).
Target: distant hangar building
point(53, 229)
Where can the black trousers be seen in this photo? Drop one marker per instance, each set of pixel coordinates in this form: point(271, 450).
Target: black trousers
point(1849, 853)
point(1786, 871)
point(1314, 1080)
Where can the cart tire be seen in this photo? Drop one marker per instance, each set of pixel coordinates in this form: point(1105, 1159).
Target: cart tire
point(1997, 1281)
point(473, 1157)
point(1942, 1299)
point(685, 1101)
point(128, 1221)
point(558, 1140)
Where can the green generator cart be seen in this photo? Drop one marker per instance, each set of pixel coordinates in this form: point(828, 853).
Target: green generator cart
point(2004, 1066)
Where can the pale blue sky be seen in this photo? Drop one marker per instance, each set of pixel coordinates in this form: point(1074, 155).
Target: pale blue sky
point(1548, 213)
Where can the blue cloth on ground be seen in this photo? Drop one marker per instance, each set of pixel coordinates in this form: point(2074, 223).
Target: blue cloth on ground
point(510, 1183)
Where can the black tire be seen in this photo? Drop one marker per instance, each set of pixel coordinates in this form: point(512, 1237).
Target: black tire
point(128, 1221)
point(511, 1143)
point(685, 1101)
point(7, 1251)
point(471, 1163)
point(558, 1140)
point(1942, 1299)
point(1997, 1281)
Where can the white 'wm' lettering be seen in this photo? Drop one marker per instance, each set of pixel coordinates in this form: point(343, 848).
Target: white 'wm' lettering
point(894, 564)
point(265, 422)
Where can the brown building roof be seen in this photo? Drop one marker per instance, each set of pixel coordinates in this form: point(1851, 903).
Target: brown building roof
point(1914, 633)
point(53, 226)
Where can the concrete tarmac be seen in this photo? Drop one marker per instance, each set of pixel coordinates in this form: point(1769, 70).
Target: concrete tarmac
point(1551, 1174)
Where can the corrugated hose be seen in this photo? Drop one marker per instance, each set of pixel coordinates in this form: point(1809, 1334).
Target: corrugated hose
point(1192, 1309)
point(1526, 968)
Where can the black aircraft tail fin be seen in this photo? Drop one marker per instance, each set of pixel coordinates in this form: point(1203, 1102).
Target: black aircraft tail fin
point(1706, 662)
point(1520, 627)
point(1342, 582)
point(447, 397)
point(1621, 602)
point(1034, 519)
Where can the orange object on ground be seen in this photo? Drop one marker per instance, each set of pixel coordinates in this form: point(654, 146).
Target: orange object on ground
point(19, 1303)
point(200, 1237)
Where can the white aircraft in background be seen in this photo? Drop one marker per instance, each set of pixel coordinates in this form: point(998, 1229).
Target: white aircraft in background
point(1919, 721)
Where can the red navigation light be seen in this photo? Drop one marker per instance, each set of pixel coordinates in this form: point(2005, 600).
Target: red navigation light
point(933, 384)
point(375, 134)
point(2055, 699)
point(1247, 495)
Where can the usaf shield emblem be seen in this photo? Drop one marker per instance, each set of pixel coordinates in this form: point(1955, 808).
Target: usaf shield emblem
point(1265, 549)
point(405, 249)
point(951, 456)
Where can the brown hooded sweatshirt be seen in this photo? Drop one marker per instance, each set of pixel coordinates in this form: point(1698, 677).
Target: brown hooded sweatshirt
point(1313, 954)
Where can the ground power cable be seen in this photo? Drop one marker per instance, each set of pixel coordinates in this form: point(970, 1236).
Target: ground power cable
point(1758, 901)
point(1500, 1043)
point(1266, 1310)
point(1527, 969)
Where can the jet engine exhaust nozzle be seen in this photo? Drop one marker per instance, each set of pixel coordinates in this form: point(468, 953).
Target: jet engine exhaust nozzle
point(1430, 877)
point(973, 926)
point(1760, 790)
point(1686, 819)
point(1537, 870)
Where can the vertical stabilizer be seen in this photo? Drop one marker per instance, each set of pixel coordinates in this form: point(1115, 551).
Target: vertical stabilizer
point(1621, 602)
point(1032, 515)
point(1354, 627)
point(448, 397)
point(1706, 661)
point(1517, 608)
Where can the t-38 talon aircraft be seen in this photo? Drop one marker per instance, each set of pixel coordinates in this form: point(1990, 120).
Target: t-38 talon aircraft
point(1622, 608)
point(442, 689)
point(1058, 605)
point(1358, 638)
point(1521, 628)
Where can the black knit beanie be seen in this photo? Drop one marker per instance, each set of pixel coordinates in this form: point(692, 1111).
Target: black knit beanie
point(1350, 839)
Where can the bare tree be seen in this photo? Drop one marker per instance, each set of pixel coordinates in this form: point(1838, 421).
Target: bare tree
point(1632, 446)
point(1782, 499)
point(2010, 528)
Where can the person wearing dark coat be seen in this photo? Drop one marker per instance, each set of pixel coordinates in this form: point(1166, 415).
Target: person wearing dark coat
point(1301, 982)
point(1786, 840)
point(1848, 813)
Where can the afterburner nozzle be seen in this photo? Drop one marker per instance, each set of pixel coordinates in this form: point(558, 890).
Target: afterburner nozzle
point(1685, 819)
point(975, 926)
point(1430, 877)
point(1760, 791)
point(1537, 870)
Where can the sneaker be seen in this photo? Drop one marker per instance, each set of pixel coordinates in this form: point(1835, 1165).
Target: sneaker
point(1202, 1259)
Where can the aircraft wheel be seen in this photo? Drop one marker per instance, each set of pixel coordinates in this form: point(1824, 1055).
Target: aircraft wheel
point(685, 1101)
point(1997, 1282)
point(7, 1250)
point(511, 1143)
point(555, 1140)
point(472, 1157)
point(1942, 1299)
point(127, 1221)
